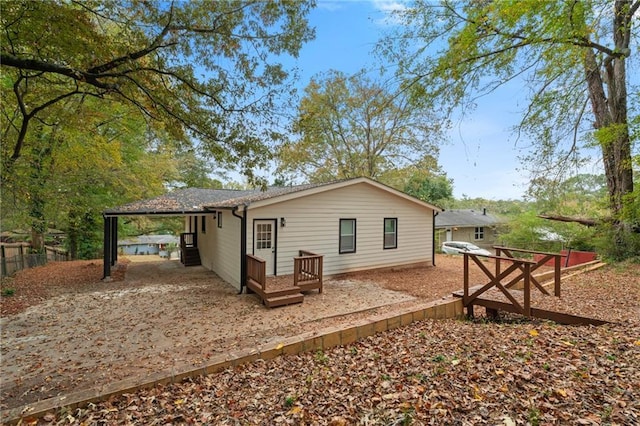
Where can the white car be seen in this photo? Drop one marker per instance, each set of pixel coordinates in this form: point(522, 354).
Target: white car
point(459, 247)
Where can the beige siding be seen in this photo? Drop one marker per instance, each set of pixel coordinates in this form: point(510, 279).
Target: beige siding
point(220, 247)
point(312, 223)
point(468, 234)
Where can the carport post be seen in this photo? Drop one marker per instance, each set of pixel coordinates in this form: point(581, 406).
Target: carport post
point(114, 240)
point(106, 252)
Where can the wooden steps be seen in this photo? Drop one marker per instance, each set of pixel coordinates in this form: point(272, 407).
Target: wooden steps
point(191, 256)
point(273, 298)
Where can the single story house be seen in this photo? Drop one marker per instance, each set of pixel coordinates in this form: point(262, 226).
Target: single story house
point(356, 224)
point(147, 244)
point(474, 226)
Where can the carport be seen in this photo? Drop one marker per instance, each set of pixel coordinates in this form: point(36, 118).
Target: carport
point(182, 202)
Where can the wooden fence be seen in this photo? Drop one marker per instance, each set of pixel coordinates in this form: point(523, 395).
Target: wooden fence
point(15, 257)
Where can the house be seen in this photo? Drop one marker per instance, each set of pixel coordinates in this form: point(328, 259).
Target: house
point(147, 244)
point(356, 224)
point(475, 226)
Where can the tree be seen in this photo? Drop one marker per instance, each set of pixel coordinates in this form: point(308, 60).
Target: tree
point(573, 55)
point(352, 126)
point(200, 69)
point(426, 180)
point(67, 179)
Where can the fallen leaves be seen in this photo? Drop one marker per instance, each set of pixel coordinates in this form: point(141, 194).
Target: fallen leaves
point(431, 372)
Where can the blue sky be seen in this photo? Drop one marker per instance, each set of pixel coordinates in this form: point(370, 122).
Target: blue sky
point(481, 157)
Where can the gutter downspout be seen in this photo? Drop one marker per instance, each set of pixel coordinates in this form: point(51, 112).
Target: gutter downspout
point(433, 239)
point(243, 245)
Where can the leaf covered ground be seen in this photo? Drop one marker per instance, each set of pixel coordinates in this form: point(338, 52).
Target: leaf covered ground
point(432, 372)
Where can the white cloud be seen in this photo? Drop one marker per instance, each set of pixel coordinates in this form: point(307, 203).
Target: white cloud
point(330, 5)
point(388, 8)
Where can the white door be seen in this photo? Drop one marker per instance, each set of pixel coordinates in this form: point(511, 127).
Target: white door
point(448, 235)
point(264, 243)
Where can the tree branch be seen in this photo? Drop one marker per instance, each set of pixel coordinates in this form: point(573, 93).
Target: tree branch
point(37, 65)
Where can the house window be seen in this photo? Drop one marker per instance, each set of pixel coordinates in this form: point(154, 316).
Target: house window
point(390, 233)
point(347, 236)
point(479, 233)
point(204, 224)
point(219, 219)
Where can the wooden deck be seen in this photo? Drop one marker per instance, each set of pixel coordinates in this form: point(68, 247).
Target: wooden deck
point(501, 292)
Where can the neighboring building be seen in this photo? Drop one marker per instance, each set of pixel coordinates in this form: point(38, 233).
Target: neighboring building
point(474, 226)
point(356, 224)
point(147, 244)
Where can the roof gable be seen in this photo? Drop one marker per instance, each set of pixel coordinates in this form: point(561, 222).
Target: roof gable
point(311, 189)
point(197, 200)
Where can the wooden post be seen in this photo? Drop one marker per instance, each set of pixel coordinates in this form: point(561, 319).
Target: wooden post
point(465, 298)
point(527, 290)
point(498, 252)
point(3, 266)
point(114, 240)
point(556, 275)
point(21, 257)
point(106, 251)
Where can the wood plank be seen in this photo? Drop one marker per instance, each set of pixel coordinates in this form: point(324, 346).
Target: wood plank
point(272, 302)
point(559, 317)
point(308, 286)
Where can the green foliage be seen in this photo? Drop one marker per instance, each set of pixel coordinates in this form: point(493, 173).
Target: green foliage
point(198, 69)
point(528, 231)
point(102, 100)
point(351, 126)
point(289, 401)
point(617, 245)
point(582, 195)
point(434, 189)
point(508, 208)
point(7, 292)
point(570, 54)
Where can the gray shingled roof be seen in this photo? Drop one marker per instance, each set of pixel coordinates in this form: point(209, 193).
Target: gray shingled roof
point(466, 218)
point(198, 200)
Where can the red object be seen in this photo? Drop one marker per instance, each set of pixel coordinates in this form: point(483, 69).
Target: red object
point(575, 258)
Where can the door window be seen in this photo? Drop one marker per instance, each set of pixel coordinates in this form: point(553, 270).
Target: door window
point(263, 236)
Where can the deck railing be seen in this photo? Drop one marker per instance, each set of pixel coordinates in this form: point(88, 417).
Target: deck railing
point(508, 252)
point(257, 270)
point(307, 269)
point(188, 239)
point(496, 281)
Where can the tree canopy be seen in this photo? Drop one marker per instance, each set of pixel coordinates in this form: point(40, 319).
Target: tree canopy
point(351, 126)
point(105, 102)
point(205, 70)
point(572, 55)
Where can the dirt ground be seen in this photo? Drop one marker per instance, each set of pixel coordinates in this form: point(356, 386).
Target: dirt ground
point(64, 329)
point(79, 332)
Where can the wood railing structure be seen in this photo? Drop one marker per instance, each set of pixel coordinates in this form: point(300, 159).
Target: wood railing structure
point(495, 280)
point(557, 258)
point(256, 272)
point(307, 276)
point(307, 271)
point(502, 283)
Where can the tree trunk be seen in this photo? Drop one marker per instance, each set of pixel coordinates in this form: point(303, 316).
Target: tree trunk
point(610, 109)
